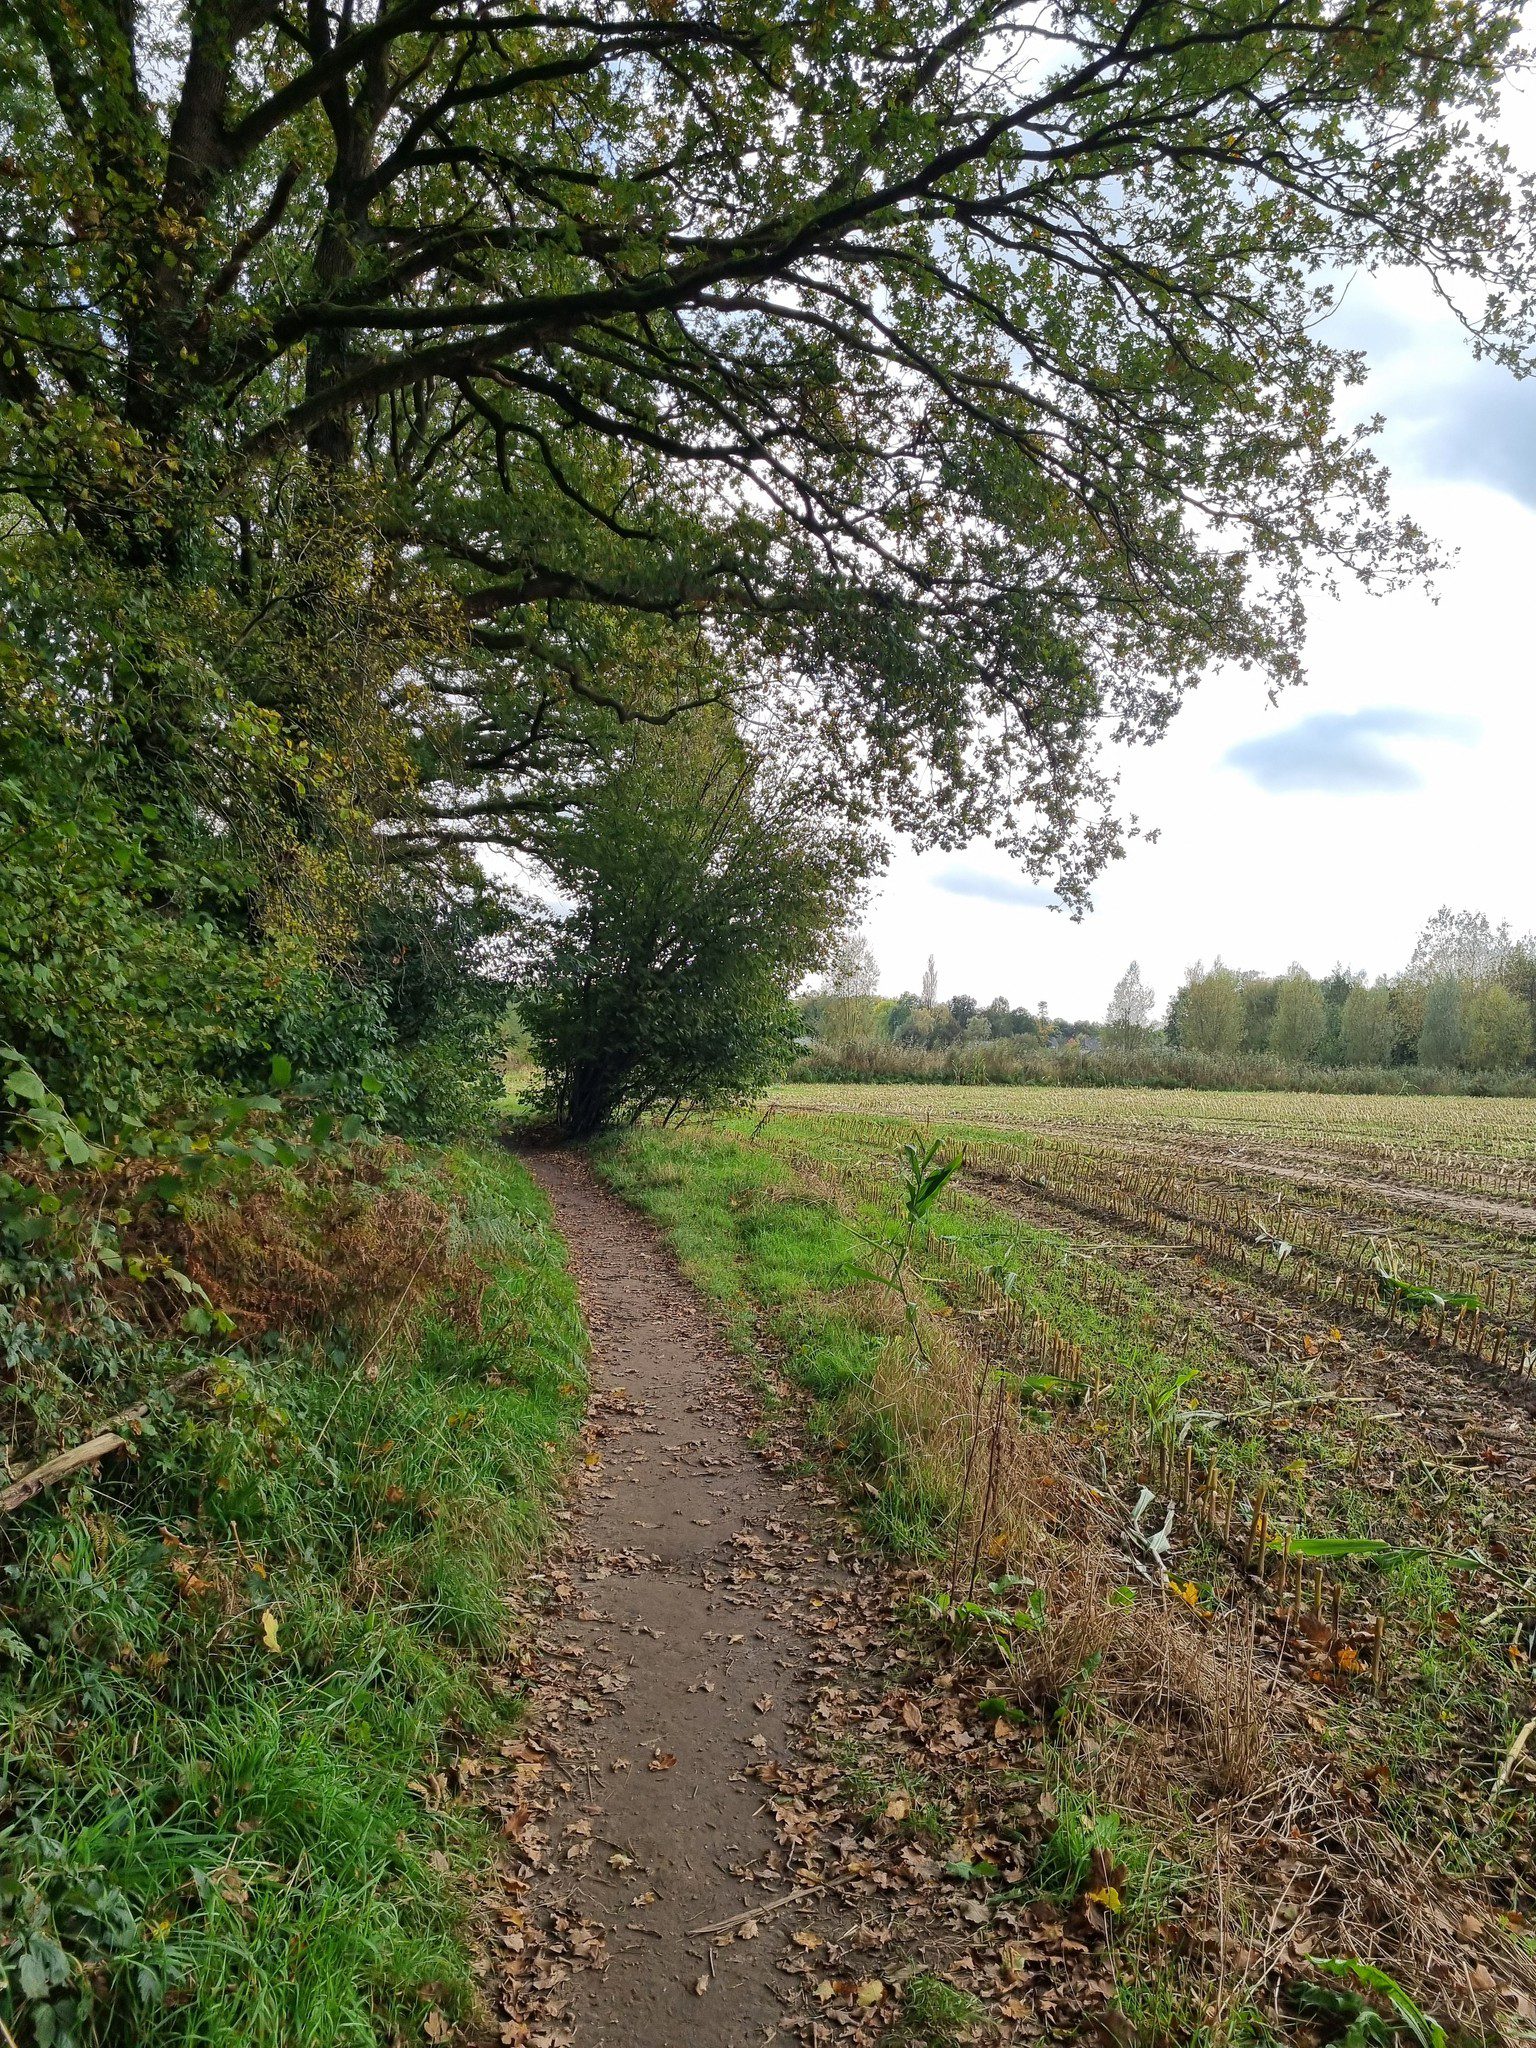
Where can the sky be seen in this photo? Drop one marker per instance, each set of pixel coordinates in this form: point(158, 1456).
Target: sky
point(1328, 827)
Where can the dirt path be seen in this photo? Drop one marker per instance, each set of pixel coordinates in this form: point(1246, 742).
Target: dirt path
point(696, 1584)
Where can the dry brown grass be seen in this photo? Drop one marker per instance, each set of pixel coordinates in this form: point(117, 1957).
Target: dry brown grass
point(1177, 1720)
point(344, 1246)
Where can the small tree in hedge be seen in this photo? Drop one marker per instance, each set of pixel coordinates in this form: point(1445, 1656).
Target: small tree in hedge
point(705, 885)
point(1300, 1019)
point(1442, 1038)
point(1366, 1029)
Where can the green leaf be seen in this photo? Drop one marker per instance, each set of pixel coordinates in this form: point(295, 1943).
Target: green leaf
point(1375, 1547)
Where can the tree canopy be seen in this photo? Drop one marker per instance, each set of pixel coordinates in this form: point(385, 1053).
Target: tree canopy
point(952, 376)
point(1130, 1008)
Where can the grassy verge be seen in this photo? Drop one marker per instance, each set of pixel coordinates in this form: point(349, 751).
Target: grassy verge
point(784, 1266)
point(228, 1668)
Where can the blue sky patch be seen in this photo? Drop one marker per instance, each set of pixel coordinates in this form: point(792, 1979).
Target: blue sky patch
point(1344, 752)
point(964, 881)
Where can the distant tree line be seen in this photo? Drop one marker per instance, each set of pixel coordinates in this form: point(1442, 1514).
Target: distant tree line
point(845, 1011)
point(1463, 1006)
point(1466, 1001)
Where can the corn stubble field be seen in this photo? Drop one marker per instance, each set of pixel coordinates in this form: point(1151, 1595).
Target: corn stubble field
point(1222, 1413)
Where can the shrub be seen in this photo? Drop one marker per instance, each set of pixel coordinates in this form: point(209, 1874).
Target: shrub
point(1442, 1036)
point(705, 886)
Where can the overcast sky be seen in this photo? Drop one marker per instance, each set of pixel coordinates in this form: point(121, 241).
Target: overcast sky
point(1328, 827)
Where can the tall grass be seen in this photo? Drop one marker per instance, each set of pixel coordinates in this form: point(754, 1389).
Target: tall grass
point(232, 1671)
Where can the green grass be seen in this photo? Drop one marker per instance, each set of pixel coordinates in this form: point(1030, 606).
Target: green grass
point(936, 2013)
point(229, 1673)
point(780, 1266)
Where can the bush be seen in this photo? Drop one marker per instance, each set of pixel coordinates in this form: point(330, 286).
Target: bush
point(128, 976)
point(141, 978)
point(705, 886)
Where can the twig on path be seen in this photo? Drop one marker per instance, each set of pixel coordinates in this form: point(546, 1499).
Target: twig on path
point(1319, 1400)
point(808, 1891)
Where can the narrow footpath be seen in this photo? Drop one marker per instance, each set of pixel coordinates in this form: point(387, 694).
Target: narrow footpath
point(688, 1619)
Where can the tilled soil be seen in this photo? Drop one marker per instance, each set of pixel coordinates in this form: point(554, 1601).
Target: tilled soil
point(677, 1645)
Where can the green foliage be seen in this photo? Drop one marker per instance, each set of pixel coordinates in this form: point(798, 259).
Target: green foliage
point(1011, 1062)
point(1368, 2009)
point(1498, 1029)
point(433, 956)
point(127, 978)
point(924, 1175)
point(146, 976)
point(936, 2013)
point(1442, 1036)
point(436, 432)
point(704, 886)
point(225, 1667)
point(1210, 1012)
point(1300, 1019)
point(1086, 1848)
point(1366, 1029)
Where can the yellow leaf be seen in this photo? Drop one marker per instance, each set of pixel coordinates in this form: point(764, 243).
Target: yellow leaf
point(870, 1992)
point(269, 1631)
point(1106, 1896)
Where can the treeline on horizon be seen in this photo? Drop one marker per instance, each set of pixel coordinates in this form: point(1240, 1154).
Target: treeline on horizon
point(1461, 1014)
